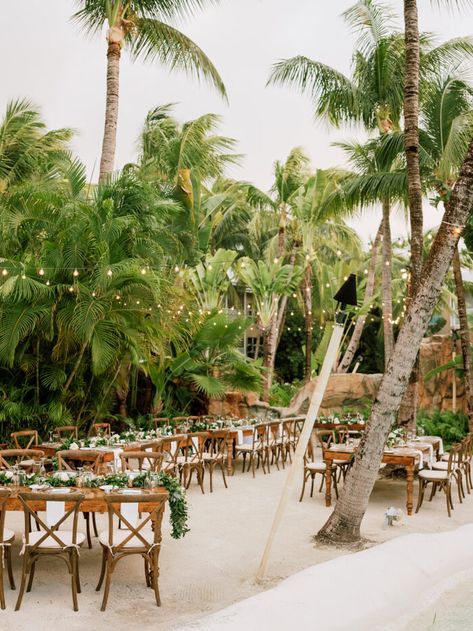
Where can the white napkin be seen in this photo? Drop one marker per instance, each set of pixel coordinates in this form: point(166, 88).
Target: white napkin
point(248, 440)
point(173, 447)
point(116, 458)
point(195, 442)
point(130, 512)
point(239, 436)
point(54, 512)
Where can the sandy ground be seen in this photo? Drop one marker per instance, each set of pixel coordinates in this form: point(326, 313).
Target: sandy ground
point(215, 564)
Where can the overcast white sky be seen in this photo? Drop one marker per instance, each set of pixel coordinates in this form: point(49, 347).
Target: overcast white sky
point(47, 59)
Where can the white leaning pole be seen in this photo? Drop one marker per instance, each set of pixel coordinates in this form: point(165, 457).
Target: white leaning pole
point(316, 400)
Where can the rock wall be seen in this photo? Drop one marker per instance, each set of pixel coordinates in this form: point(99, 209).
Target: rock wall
point(353, 391)
point(437, 393)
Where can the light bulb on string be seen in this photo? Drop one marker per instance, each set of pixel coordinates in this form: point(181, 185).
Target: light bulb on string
point(41, 272)
point(4, 272)
point(75, 273)
point(109, 273)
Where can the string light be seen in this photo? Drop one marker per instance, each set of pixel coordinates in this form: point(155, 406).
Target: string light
point(75, 273)
point(109, 273)
point(41, 272)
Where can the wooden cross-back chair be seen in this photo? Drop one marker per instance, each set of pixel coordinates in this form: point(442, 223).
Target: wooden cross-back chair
point(312, 467)
point(254, 450)
point(274, 444)
point(289, 440)
point(442, 479)
point(171, 449)
point(325, 438)
point(192, 461)
point(26, 439)
point(23, 457)
point(70, 460)
point(162, 421)
point(216, 452)
point(67, 431)
point(138, 536)
point(6, 539)
point(97, 429)
point(49, 540)
point(141, 461)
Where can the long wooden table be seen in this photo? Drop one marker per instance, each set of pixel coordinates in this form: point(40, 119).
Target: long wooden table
point(402, 457)
point(94, 500)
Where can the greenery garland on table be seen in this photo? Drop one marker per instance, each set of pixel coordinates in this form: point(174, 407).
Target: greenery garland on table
point(177, 497)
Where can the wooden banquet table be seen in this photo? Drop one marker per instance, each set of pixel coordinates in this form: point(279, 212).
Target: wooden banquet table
point(406, 457)
point(94, 501)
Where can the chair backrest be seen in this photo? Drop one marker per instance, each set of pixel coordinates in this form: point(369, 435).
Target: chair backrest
point(148, 503)
point(161, 422)
point(289, 429)
point(217, 442)
point(25, 439)
point(274, 433)
point(309, 455)
point(260, 434)
point(10, 457)
point(325, 437)
point(70, 459)
point(195, 445)
point(454, 458)
point(67, 431)
point(4, 497)
point(100, 428)
point(171, 446)
point(146, 460)
point(50, 533)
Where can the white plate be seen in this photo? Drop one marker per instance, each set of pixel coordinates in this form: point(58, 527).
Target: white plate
point(130, 491)
point(60, 489)
point(39, 487)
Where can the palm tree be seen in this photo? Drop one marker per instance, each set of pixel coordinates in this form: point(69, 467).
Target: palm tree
point(182, 160)
point(343, 525)
point(142, 26)
point(268, 281)
point(320, 237)
point(27, 150)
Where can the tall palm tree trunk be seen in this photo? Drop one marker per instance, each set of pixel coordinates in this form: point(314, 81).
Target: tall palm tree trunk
point(107, 160)
point(268, 361)
point(464, 331)
point(369, 291)
point(307, 299)
point(386, 285)
point(408, 412)
point(343, 525)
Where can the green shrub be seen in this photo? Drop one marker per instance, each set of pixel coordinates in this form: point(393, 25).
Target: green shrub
point(451, 426)
point(282, 393)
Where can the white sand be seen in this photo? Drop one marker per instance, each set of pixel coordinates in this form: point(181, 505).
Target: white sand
point(215, 564)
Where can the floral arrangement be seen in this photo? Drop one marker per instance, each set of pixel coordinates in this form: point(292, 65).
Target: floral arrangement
point(348, 419)
point(395, 437)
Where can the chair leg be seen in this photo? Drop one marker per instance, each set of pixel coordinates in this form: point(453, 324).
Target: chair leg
point(154, 577)
point(73, 562)
point(312, 486)
point(243, 463)
point(448, 495)
point(211, 475)
point(9, 567)
point(24, 574)
point(94, 524)
point(87, 529)
point(420, 499)
point(106, 590)
point(147, 578)
point(2, 590)
point(30, 581)
point(102, 570)
point(200, 477)
point(222, 466)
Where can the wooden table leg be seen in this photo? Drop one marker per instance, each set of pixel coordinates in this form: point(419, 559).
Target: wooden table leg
point(230, 468)
point(410, 488)
point(328, 482)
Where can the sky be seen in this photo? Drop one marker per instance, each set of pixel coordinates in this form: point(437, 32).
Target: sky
point(46, 58)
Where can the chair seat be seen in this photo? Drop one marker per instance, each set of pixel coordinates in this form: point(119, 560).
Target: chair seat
point(63, 535)
point(341, 463)
point(8, 535)
point(433, 475)
point(209, 457)
point(122, 534)
point(245, 447)
point(316, 466)
point(440, 466)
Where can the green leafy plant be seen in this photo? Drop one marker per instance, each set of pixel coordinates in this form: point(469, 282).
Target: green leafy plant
point(450, 426)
